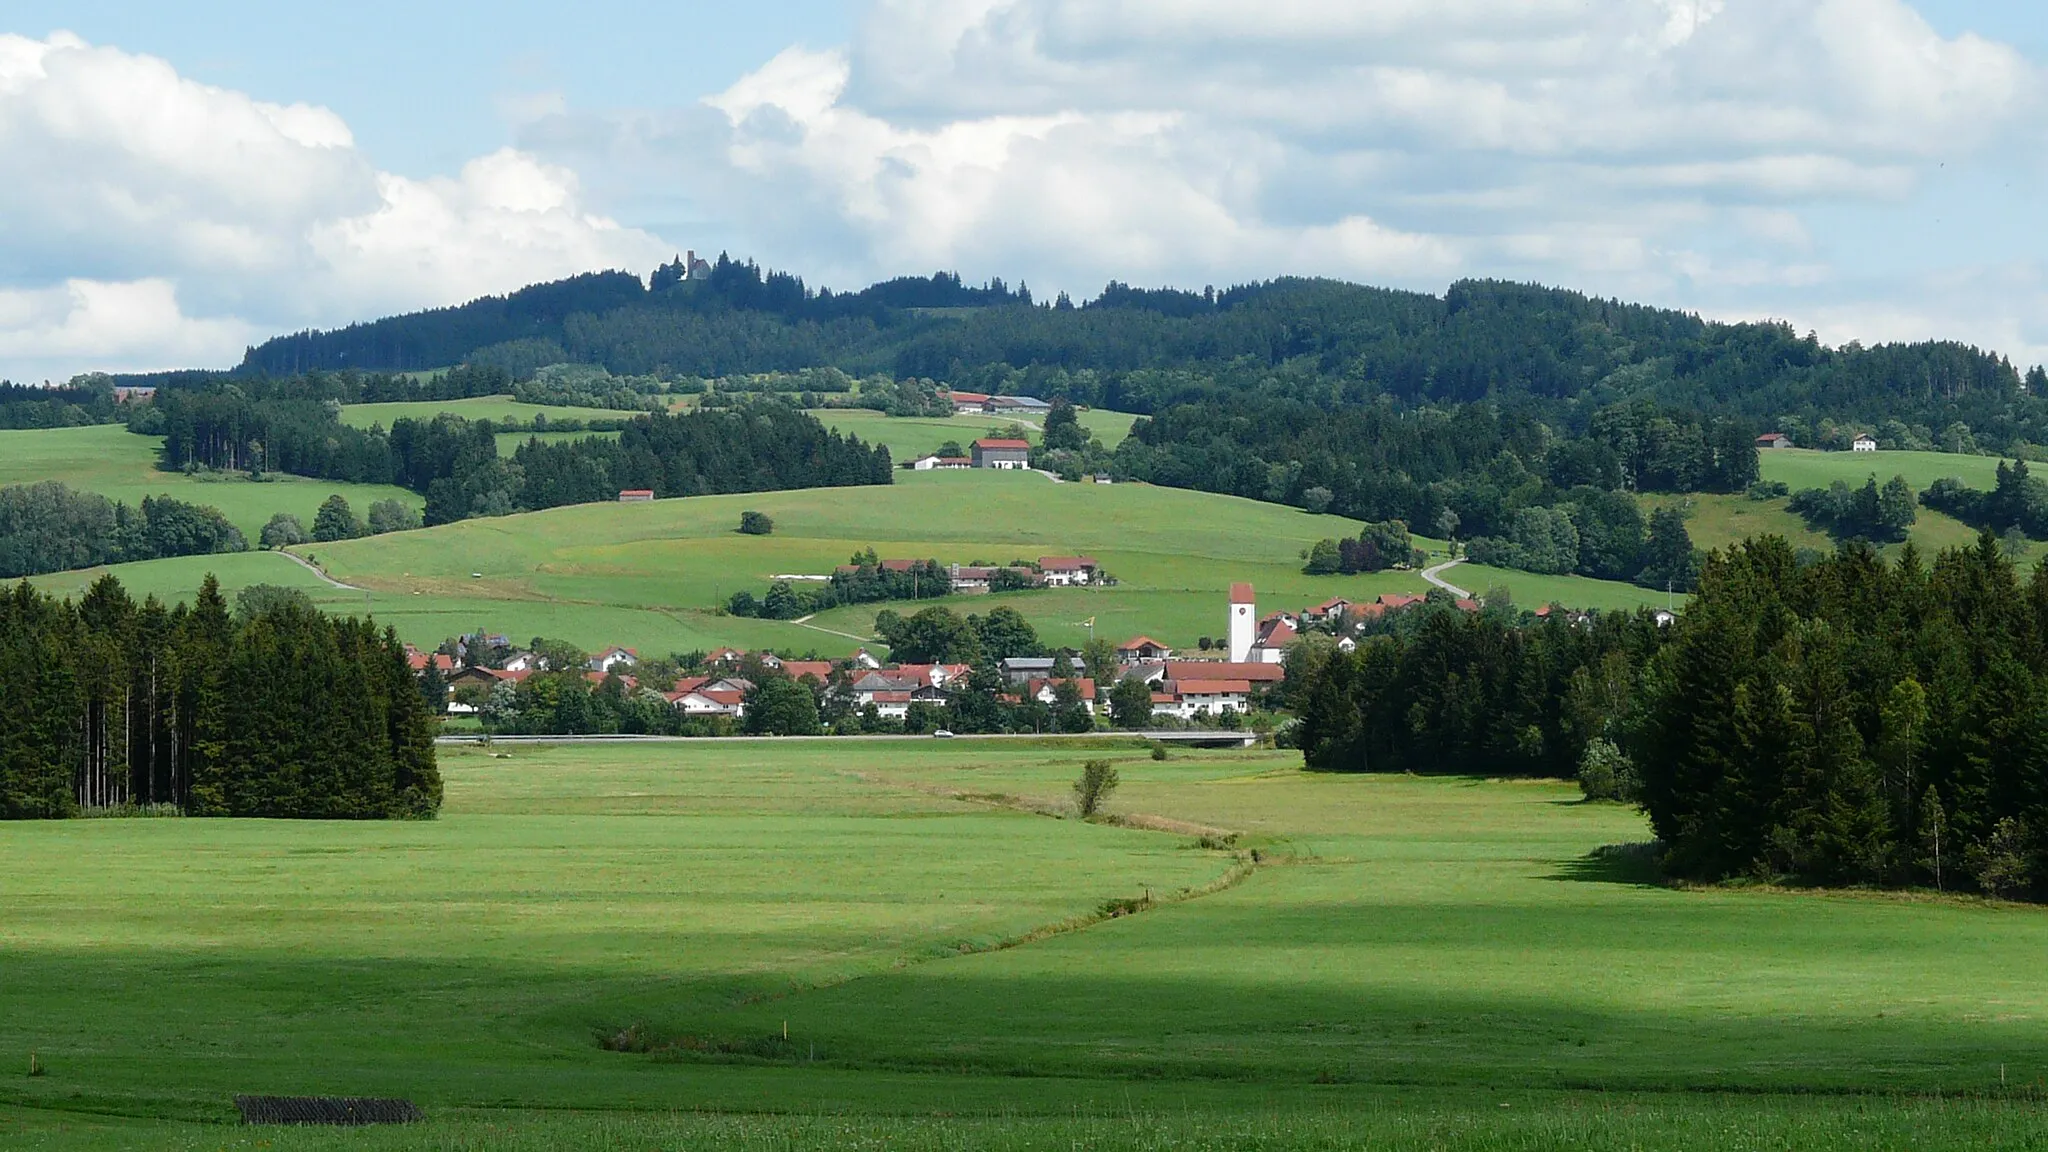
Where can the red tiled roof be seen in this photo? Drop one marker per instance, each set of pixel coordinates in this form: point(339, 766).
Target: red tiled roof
point(1242, 594)
point(1066, 563)
point(1138, 642)
point(891, 697)
point(1213, 687)
point(969, 397)
point(1469, 605)
point(1012, 445)
point(798, 669)
point(1221, 670)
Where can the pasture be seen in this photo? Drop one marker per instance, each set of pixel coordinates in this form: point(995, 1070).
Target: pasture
point(1808, 468)
point(655, 576)
point(824, 944)
point(495, 408)
point(116, 463)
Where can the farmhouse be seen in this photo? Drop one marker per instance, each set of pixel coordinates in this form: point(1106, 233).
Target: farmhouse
point(969, 402)
point(636, 495)
point(1864, 443)
point(1067, 571)
point(1007, 455)
point(1046, 691)
point(1774, 440)
point(937, 463)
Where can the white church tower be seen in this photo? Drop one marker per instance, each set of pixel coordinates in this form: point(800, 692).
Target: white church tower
point(1244, 623)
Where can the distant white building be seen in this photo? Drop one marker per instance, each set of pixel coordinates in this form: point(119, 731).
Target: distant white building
point(1864, 444)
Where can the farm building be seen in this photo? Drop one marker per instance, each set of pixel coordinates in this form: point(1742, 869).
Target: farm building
point(636, 495)
point(1067, 571)
point(1008, 455)
point(1774, 440)
point(1865, 443)
point(1142, 649)
point(936, 463)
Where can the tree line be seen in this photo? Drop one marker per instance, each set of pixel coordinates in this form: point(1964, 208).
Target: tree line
point(48, 527)
point(758, 445)
point(271, 710)
point(1841, 721)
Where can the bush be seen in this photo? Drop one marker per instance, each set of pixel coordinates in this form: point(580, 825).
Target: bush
point(1605, 773)
point(756, 524)
point(1098, 780)
point(1769, 490)
point(1158, 750)
point(2001, 863)
point(392, 516)
point(283, 531)
point(336, 521)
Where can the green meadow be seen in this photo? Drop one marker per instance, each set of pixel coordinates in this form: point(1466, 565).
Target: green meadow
point(116, 463)
point(496, 408)
point(1807, 468)
point(654, 576)
point(898, 944)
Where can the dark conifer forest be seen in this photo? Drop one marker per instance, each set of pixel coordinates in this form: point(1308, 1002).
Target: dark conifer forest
point(108, 704)
point(1850, 721)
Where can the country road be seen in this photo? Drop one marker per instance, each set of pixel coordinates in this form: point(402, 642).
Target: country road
point(309, 566)
point(1436, 576)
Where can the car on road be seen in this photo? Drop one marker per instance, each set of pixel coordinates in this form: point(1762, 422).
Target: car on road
point(942, 734)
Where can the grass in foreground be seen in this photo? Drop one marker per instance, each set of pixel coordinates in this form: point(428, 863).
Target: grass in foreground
point(1410, 956)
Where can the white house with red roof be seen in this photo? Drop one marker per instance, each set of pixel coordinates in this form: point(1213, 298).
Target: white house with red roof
point(1068, 571)
point(614, 657)
point(1046, 691)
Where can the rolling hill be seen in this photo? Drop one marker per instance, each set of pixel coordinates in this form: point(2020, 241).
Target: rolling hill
point(654, 575)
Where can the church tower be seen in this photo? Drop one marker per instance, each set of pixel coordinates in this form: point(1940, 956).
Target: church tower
point(1244, 623)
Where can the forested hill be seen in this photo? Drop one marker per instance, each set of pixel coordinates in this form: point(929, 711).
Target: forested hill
point(1319, 341)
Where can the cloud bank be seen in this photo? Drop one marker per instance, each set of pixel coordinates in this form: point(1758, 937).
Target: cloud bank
point(1675, 150)
point(149, 221)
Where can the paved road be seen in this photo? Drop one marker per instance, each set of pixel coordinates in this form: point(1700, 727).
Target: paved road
point(1435, 576)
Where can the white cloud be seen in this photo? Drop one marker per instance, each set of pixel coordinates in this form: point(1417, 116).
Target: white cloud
point(148, 220)
point(1680, 150)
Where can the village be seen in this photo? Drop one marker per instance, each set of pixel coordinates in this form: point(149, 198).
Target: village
point(1216, 685)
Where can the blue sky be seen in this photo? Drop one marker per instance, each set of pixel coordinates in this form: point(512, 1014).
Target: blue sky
point(189, 179)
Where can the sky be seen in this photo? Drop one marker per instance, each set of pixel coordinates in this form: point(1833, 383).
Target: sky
point(178, 182)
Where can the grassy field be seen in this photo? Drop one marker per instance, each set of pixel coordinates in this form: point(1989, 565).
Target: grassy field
point(1805, 468)
point(651, 575)
point(110, 460)
point(1445, 963)
point(498, 408)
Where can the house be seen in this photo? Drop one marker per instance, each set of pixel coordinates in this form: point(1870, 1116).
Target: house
point(708, 702)
point(1141, 650)
point(1068, 571)
point(1665, 618)
point(1046, 692)
point(419, 661)
point(1864, 443)
point(138, 394)
point(1335, 608)
point(862, 658)
point(1190, 699)
point(1007, 455)
point(636, 495)
point(1275, 633)
point(819, 670)
point(614, 657)
point(524, 662)
point(1222, 670)
point(728, 657)
point(1022, 669)
point(937, 463)
point(486, 678)
point(966, 402)
point(1774, 440)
